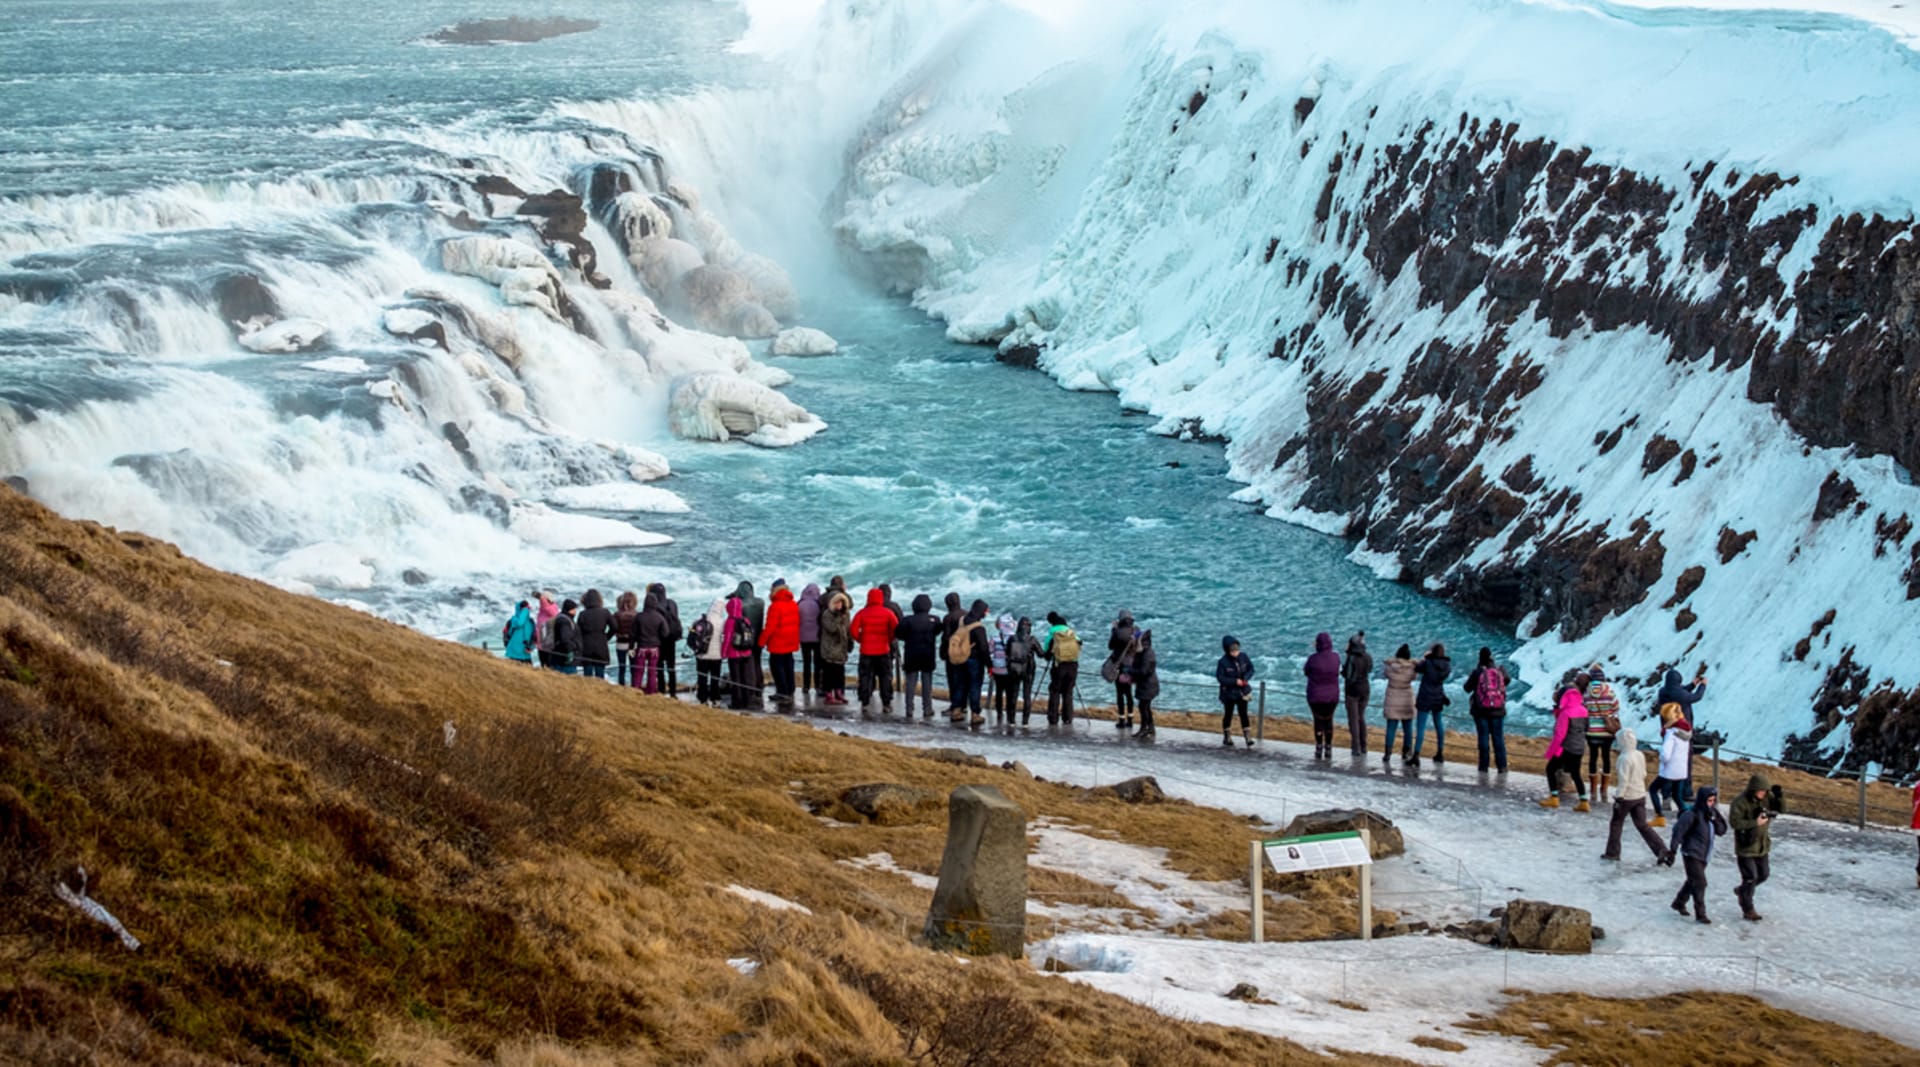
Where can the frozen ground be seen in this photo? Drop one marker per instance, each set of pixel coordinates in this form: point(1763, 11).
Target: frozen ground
point(1837, 942)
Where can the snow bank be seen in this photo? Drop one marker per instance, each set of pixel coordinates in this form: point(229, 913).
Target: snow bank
point(804, 341)
point(619, 496)
point(328, 566)
point(339, 365)
point(767, 900)
point(287, 335)
point(717, 407)
point(540, 525)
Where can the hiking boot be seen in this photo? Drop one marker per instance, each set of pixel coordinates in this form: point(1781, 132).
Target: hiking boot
point(1439, 756)
point(1551, 802)
point(1681, 907)
point(977, 720)
point(1583, 805)
point(1703, 920)
point(1750, 915)
point(1658, 820)
point(1412, 761)
point(1666, 858)
point(1604, 856)
point(1247, 736)
point(1226, 740)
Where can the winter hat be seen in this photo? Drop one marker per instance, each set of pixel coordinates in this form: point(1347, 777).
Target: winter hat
point(567, 606)
point(1596, 672)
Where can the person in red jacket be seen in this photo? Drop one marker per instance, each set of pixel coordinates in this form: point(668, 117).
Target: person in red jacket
point(1916, 824)
point(781, 639)
point(873, 631)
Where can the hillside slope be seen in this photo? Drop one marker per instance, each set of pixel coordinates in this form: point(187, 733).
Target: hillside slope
point(343, 841)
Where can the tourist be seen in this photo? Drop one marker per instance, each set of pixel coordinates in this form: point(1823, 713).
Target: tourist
point(1323, 693)
point(1061, 647)
point(543, 617)
point(1751, 816)
point(1397, 705)
point(873, 629)
point(1676, 762)
point(650, 630)
point(1672, 692)
point(1693, 835)
point(919, 649)
point(1022, 665)
point(1487, 702)
point(836, 645)
point(566, 639)
point(670, 648)
point(754, 610)
point(737, 646)
point(1568, 745)
point(893, 654)
point(1356, 672)
point(780, 640)
point(809, 638)
point(517, 634)
point(1915, 826)
point(1119, 638)
point(626, 610)
point(948, 624)
point(594, 624)
point(1234, 672)
point(1431, 701)
point(979, 656)
point(1630, 801)
point(1002, 688)
point(1146, 682)
point(1603, 724)
point(707, 642)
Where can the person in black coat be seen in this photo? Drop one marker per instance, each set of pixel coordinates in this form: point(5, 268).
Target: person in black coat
point(566, 639)
point(1234, 672)
point(1692, 841)
point(1356, 676)
point(651, 637)
point(1672, 692)
point(594, 627)
point(670, 652)
point(948, 624)
point(919, 635)
point(1431, 700)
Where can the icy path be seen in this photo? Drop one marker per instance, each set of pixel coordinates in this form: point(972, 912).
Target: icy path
point(1838, 941)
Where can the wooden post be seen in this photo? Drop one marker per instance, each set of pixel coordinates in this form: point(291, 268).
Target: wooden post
point(1716, 767)
point(1256, 876)
point(1366, 888)
point(1863, 798)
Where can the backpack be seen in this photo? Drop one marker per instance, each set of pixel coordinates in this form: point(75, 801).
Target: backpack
point(1066, 646)
point(742, 636)
point(543, 635)
point(1019, 654)
point(960, 644)
point(1491, 690)
point(998, 653)
point(700, 638)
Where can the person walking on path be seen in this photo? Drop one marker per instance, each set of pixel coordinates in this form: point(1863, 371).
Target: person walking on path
point(1062, 650)
point(780, 640)
point(948, 624)
point(737, 644)
point(1356, 672)
point(836, 646)
point(1568, 745)
point(1234, 672)
point(873, 629)
point(1487, 702)
point(1603, 725)
point(919, 635)
point(626, 610)
point(517, 634)
point(1397, 705)
point(1431, 700)
point(1751, 815)
point(566, 639)
point(594, 624)
point(809, 638)
point(650, 629)
point(1146, 682)
point(1119, 639)
point(1023, 656)
point(707, 641)
point(1693, 835)
point(670, 648)
point(1630, 801)
point(1323, 693)
point(1676, 762)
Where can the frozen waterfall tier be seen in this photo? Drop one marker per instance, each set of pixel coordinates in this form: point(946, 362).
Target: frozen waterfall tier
point(356, 380)
point(1596, 320)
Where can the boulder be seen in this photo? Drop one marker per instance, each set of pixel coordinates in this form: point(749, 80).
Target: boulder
point(1543, 927)
point(980, 905)
point(1386, 837)
point(1141, 790)
point(245, 302)
point(954, 756)
point(888, 803)
point(804, 341)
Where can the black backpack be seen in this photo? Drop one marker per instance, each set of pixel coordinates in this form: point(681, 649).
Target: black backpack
point(700, 638)
point(742, 636)
point(1019, 654)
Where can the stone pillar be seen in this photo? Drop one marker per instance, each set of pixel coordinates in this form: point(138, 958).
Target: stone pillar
point(980, 906)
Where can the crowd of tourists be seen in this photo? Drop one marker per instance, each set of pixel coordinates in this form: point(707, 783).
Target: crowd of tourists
point(992, 664)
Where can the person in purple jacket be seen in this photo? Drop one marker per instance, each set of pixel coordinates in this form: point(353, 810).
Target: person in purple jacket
point(809, 636)
point(1323, 693)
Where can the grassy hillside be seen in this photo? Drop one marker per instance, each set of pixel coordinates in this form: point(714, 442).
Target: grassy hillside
point(262, 789)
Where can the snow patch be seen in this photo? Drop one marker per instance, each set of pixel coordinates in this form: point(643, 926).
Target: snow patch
point(287, 335)
point(540, 525)
point(767, 900)
point(619, 496)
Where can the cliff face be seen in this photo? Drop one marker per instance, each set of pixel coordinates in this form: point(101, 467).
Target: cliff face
point(1536, 329)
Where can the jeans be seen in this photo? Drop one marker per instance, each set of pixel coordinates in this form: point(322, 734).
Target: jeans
point(708, 687)
point(1060, 691)
point(876, 672)
point(1357, 723)
point(670, 681)
point(621, 655)
point(1599, 755)
point(1637, 811)
point(1490, 732)
point(1753, 871)
point(924, 679)
point(1404, 727)
point(1420, 732)
point(1227, 708)
point(1123, 699)
point(646, 670)
point(595, 670)
point(780, 665)
point(1322, 724)
point(1674, 789)
point(1695, 888)
point(973, 678)
point(809, 665)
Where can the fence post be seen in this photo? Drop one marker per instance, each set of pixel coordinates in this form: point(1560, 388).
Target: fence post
point(1863, 798)
point(1716, 766)
point(1260, 730)
point(1254, 876)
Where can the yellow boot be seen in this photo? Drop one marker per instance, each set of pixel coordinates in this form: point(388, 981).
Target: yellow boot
point(1583, 805)
point(1659, 820)
point(1551, 802)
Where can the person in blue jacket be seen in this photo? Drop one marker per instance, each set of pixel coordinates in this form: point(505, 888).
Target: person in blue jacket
point(517, 634)
point(1693, 836)
point(1234, 672)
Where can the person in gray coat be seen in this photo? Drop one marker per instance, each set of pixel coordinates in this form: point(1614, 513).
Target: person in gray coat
point(1356, 675)
point(754, 610)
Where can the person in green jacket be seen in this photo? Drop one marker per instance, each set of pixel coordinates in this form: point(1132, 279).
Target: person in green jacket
point(1752, 819)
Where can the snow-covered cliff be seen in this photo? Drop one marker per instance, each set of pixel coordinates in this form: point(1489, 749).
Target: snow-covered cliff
point(1593, 317)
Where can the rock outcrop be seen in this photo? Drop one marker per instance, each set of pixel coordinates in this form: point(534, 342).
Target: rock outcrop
point(1543, 927)
point(1385, 837)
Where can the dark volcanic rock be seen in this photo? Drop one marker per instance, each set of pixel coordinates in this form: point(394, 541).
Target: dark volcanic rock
point(244, 301)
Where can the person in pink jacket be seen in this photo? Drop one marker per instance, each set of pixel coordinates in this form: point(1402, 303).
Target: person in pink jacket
point(1916, 826)
point(739, 647)
point(1569, 744)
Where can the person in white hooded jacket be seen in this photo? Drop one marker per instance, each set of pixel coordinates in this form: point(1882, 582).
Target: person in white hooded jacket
point(711, 685)
point(1630, 799)
point(1676, 764)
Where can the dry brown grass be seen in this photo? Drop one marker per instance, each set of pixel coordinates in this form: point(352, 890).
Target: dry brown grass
point(1684, 1030)
point(261, 787)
